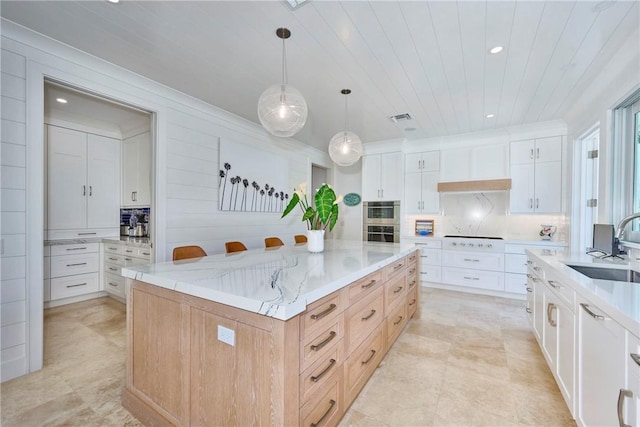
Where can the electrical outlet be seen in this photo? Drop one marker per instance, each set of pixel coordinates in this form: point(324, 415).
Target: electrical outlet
point(226, 335)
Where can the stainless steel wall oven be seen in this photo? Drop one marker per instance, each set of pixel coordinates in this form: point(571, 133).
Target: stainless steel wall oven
point(381, 222)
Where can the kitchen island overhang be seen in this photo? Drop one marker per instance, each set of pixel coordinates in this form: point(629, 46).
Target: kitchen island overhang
point(308, 331)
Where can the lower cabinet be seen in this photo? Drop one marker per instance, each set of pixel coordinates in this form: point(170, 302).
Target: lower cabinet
point(71, 270)
point(601, 344)
point(116, 256)
point(630, 397)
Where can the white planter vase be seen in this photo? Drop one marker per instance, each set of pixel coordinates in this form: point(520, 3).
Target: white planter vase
point(315, 240)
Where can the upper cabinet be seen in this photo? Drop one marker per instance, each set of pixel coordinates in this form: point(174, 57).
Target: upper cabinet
point(536, 175)
point(83, 184)
point(136, 171)
point(422, 172)
point(475, 163)
point(382, 176)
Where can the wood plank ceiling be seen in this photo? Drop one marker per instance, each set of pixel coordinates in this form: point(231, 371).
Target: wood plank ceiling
point(427, 58)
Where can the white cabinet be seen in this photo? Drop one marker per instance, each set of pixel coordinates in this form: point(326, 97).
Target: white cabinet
point(73, 271)
point(116, 256)
point(83, 184)
point(601, 344)
point(382, 176)
point(136, 171)
point(630, 414)
point(489, 161)
point(515, 266)
point(473, 269)
point(536, 175)
point(422, 172)
point(430, 261)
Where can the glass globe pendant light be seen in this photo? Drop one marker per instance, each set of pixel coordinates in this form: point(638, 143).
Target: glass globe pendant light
point(282, 109)
point(345, 148)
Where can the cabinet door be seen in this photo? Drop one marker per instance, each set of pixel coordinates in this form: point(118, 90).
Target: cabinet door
point(601, 343)
point(431, 161)
point(456, 165)
point(129, 171)
point(67, 179)
point(538, 305)
point(371, 172)
point(391, 176)
point(413, 162)
point(548, 149)
point(522, 152)
point(490, 161)
point(522, 188)
point(632, 403)
point(548, 187)
point(144, 170)
point(430, 195)
point(565, 366)
point(412, 193)
point(550, 326)
point(103, 161)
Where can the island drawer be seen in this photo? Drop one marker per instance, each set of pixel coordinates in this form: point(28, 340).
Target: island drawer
point(361, 364)
point(395, 291)
point(395, 268)
point(395, 323)
point(412, 277)
point(320, 344)
point(364, 286)
point(362, 317)
point(322, 313)
point(327, 409)
point(412, 257)
point(316, 377)
point(412, 302)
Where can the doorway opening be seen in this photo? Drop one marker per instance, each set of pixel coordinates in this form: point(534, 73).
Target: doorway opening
point(586, 203)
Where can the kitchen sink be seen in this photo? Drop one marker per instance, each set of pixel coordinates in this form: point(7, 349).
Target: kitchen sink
point(604, 273)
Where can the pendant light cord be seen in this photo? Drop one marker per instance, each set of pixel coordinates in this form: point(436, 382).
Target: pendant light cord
point(345, 111)
point(284, 64)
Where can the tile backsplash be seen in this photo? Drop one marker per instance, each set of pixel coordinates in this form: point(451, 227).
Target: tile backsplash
point(487, 214)
point(125, 214)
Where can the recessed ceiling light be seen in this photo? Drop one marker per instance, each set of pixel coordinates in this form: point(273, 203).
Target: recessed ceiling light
point(496, 49)
point(61, 100)
point(293, 4)
point(114, 1)
point(489, 116)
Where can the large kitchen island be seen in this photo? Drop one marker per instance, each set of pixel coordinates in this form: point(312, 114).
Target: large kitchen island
point(277, 337)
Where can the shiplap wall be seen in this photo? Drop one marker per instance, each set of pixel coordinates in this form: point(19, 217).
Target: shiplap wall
point(186, 170)
point(13, 299)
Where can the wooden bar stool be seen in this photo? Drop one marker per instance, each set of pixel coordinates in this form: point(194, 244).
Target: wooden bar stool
point(300, 238)
point(231, 247)
point(185, 252)
point(272, 242)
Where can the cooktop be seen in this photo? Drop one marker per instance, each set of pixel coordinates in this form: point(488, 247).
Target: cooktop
point(474, 237)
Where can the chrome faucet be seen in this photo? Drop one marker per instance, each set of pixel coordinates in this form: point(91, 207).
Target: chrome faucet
point(624, 222)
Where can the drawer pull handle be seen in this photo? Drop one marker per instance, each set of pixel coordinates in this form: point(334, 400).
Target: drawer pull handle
point(528, 310)
point(398, 266)
point(471, 260)
point(635, 357)
point(369, 316)
point(113, 284)
point(316, 378)
point(75, 286)
point(471, 278)
point(550, 307)
point(413, 270)
point(146, 253)
point(529, 276)
point(113, 259)
point(113, 269)
point(323, 313)
point(529, 290)
point(370, 284)
point(373, 353)
point(413, 282)
point(77, 249)
point(317, 423)
point(397, 322)
point(554, 284)
point(398, 290)
point(128, 259)
point(316, 347)
point(76, 264)
point(113, 249)
point(591, 313)
point(623, 393)
point(87, 234)
point(536, 268)
point(413, 301)
point(128, 251)
point(535, 279)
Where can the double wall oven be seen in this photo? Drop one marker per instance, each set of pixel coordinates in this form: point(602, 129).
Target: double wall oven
point(381, 222)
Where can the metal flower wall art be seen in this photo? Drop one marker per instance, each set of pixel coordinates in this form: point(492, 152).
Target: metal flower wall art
point(246, 194)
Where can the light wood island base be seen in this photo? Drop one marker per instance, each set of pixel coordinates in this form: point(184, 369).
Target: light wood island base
point(303, 371)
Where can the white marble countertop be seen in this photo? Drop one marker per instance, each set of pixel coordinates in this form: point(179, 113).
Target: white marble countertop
point(619, 300)
point(141, 242)
point(277, 282)
point(552, 242)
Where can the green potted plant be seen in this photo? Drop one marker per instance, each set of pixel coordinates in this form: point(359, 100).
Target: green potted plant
point(324, 214)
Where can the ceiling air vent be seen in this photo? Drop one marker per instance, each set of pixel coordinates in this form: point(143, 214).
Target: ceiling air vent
point(400, 117)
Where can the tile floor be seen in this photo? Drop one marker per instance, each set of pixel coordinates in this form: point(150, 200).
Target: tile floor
point(470, 360)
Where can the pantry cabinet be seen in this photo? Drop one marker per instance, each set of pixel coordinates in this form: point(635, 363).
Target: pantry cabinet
point(136, 171)
point(422, 172)
point(536, 175)
point(382, 176)
point(83, 184)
